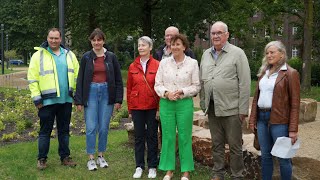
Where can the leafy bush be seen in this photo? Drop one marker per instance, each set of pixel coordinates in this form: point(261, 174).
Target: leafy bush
point(254, 65)
point(118, 115)
point(20, 126)
point(315, 73)
point(17, 108)
point(198, 51)
point(2, 126)
point(124, 59)
point(11, 136)
point(296, 63)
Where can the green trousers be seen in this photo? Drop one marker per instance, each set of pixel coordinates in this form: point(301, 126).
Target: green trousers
point(176, 115)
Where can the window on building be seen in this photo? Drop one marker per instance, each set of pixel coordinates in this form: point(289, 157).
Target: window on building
point(294, 51)
point(280, 31)
point(294, 30)
point(254, 32)
point(254, 53)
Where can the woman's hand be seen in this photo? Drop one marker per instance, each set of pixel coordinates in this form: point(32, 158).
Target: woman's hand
point(293, 136)
point(173, 96)
point(130, 118)
point(157, 116)
point(117, 106)
point(79, 108)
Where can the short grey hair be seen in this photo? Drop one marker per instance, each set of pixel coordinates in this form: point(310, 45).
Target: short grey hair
point(147, 40)
point(224, 25)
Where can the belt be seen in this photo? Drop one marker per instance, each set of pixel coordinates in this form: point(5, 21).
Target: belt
point(264, 109)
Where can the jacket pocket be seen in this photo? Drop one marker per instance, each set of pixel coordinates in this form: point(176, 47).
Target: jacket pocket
point(134, 72)
point(134, 99)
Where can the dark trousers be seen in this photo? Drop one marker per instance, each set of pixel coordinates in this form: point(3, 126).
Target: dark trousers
point(47, 114)
point(145, 130)
point(226, 129)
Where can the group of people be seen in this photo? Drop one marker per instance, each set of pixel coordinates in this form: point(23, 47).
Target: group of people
point(160, 91)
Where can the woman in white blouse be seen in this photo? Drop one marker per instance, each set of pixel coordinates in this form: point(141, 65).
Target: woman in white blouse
point(177, 81)
point(275, 107)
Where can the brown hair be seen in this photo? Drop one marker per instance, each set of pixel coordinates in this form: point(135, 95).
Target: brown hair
point(54, 29)
point(183, 38)
point(97, 32)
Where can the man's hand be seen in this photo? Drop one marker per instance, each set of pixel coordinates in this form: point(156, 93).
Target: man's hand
point(39, 106)
point(252, 127)
point(242, 117)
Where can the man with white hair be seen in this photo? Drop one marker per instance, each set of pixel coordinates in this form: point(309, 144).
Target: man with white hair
point(225, 91)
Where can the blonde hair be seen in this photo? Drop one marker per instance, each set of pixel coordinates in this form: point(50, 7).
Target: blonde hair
point(265, 65)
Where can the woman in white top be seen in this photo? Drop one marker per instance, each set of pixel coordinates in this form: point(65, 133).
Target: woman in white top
point(177, 81)
point(275, 107)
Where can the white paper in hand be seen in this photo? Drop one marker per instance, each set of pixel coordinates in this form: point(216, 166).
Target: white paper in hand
point(284, 149)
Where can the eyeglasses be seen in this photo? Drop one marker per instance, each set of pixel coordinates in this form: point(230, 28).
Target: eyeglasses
point(219, 33)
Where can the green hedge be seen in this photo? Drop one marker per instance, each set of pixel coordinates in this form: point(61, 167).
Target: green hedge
point(297, 64)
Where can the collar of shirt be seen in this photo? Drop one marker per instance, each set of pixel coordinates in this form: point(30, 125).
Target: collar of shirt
point(104, 52)
point(214, 52)
point(50, 50)
point(165, 52)
point(143, 63)
point(178, 63)
point(283, 68)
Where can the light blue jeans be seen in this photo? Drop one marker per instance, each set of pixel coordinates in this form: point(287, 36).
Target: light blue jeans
point(267, 135)
point(97, 116)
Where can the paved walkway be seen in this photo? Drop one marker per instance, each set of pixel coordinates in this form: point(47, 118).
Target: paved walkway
point(15, 80)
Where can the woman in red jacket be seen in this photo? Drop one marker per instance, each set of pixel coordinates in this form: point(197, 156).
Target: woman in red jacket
point(143, 106)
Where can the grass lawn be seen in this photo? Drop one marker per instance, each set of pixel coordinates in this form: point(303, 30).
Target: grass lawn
point(18, 161)
point(7, 71)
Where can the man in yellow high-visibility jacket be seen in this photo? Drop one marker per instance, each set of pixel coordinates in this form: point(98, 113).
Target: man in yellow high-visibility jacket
point(52, 77)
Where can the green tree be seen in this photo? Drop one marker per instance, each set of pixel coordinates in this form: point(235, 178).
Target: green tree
point(26, 22)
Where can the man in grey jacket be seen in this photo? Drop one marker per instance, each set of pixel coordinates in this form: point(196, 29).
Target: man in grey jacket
point(225, 91)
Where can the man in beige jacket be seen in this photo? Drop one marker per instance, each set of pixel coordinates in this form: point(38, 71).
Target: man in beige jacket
point(225, 90)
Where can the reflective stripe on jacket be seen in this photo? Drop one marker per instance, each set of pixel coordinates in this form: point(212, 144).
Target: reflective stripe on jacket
point(43, 77)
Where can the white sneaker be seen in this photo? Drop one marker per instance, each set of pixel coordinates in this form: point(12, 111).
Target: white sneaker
point(138, 173)
point(91, 164)
point(102, 162)
point(152, 173)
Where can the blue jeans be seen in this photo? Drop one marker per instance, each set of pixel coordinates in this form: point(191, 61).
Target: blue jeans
point(97, 116)
point(47, 114)
point(267, 135)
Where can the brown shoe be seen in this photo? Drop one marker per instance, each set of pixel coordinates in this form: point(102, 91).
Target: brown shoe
point(42, 164)
point(67, 161)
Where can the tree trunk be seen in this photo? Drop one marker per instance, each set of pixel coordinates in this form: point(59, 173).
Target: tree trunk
point(146, 20)
point(307, 45)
